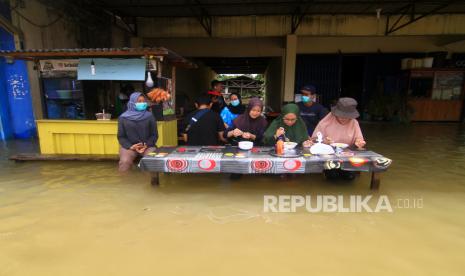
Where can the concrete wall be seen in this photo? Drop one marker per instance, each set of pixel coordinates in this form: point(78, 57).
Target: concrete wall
point(119, 38)
point(385, 44)
point(61, 34)
point(273, 83)
point(275, 46)
point(193, 82)
point(221, 47)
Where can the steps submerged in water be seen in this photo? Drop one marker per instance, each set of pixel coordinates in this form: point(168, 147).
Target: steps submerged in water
point(23, 157)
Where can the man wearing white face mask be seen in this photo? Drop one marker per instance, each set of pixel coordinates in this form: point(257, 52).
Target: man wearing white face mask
point(311, 111)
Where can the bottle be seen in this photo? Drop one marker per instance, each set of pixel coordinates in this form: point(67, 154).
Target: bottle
point(280, 147)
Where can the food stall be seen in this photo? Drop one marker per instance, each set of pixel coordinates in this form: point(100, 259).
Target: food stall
point(436, 94)
point(79, 86)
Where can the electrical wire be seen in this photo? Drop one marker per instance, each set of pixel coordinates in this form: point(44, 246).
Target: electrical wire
point(38, 25)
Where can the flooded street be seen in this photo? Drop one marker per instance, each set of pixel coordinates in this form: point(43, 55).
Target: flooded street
point(82, 218)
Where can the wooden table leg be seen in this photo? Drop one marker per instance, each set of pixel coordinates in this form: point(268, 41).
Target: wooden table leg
point(155, 179)
point(375, 180)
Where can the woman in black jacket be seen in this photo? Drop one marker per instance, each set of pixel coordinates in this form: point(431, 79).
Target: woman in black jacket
point(137, 131)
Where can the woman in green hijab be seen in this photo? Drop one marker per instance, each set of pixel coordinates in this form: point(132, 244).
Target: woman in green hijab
point(288, 124)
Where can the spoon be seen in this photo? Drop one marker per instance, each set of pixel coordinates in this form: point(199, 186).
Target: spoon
point(285, 137)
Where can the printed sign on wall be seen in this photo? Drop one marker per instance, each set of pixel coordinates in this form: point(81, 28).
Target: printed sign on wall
point(59, 65)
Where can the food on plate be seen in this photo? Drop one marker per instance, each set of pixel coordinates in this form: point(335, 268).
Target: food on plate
point(339, 145)
point(289, 145)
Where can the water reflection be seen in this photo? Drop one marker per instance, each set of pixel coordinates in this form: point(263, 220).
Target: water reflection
point(81, 218)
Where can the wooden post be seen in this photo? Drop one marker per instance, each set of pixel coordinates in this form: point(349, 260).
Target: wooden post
point(375, 180)
point(155, 179)
point(173, 87)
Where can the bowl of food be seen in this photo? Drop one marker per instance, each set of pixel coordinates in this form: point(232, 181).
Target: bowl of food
point(339, 145)
point(245, 145)
point(289, 145)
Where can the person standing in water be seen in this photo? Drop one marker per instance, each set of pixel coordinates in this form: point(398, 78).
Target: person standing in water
point(218, 102)
point(137, 131)
point(311, 111)
point(232, 110)
point(203, 127)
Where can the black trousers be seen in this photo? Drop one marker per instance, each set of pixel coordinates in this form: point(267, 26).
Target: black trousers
point(339, 174)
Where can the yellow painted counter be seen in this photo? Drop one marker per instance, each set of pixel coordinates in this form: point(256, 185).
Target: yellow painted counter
point(92, 136)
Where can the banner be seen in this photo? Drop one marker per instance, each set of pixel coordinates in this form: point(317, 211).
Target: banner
point(49, 65)
point(112, 69)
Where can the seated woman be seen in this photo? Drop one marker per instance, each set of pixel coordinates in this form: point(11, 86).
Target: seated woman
point(232, 110)
point(341, 126)
point(287, 125)
point(249, 126)
point(137, 131)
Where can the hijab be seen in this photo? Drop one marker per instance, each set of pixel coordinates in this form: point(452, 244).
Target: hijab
point(296, 133)
point(131, 113)
point(245, 123)
point(236, 109)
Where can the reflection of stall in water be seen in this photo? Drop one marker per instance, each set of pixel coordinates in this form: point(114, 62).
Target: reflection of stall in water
point(76, 84)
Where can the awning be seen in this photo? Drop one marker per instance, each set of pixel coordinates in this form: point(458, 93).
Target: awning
point(38, 54)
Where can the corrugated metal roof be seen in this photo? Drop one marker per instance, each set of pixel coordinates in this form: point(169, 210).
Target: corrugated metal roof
point(171, 56)
point(127, 49)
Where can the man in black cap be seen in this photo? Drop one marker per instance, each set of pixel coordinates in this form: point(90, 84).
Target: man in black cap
point(311, 111)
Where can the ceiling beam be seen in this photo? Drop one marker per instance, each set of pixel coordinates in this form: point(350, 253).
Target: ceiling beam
point(413, 18)
point(269, 3)
point(202, 15)
point(299, 14)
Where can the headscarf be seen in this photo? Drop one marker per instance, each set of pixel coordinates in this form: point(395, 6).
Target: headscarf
point(236, 109)
point(245, 123)
point(296, 133)
point(131, 113)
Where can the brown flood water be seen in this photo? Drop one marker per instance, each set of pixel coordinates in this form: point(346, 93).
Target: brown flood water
point(79, 218)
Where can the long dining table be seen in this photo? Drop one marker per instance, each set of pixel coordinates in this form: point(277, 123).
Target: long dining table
point(260, 160)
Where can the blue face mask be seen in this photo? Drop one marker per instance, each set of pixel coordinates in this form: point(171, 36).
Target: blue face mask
point(306, 99)
point(141, 106)
point(235, 102)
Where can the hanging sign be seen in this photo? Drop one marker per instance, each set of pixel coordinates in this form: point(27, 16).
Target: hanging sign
point(112, 69)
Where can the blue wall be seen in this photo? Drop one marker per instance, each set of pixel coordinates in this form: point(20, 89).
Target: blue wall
point(6, 130)
point(16, 114)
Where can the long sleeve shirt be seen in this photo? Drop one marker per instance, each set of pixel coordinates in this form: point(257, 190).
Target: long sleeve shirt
point(133, 132)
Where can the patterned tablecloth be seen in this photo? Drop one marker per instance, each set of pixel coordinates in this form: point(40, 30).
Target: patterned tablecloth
point(257, 161)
